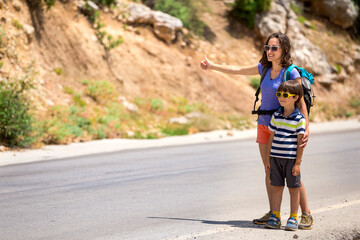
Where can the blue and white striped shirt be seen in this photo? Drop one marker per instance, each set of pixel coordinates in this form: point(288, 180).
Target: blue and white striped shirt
point(286, 131)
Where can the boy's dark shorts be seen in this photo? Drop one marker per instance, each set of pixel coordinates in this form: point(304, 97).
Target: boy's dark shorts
point(281, 169)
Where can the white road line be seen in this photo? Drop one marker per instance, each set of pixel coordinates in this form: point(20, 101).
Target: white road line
point(228, 228)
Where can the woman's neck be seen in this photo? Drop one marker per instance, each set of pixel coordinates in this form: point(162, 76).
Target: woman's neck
point(276, 67)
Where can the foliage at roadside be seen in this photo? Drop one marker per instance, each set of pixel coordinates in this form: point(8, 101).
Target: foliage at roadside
point(245, 10)
point(97, 112)
point(16, 122)
point(349, 109)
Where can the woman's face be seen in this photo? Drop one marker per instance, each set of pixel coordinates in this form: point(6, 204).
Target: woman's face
point(274, 52)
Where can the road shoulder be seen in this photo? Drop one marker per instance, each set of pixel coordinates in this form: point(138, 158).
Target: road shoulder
point(52, 152)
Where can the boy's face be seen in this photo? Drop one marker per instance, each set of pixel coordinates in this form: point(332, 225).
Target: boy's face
point(286, 99)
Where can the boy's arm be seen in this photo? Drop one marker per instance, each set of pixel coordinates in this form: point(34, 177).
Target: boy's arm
point(299, 154)
point(267, 158)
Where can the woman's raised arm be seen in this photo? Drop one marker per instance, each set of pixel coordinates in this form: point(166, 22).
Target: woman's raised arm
point(241, 70)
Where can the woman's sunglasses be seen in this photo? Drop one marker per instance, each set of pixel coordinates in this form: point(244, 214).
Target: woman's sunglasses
point(273, 48)
point(284, 94)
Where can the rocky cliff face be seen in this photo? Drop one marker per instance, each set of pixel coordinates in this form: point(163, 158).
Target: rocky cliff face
point(282, 18)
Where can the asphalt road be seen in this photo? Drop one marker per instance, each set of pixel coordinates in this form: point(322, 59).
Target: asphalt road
point(201, 191)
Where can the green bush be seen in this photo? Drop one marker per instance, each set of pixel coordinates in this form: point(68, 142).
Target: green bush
point(239, 122)
point(156, 104)
point(195, 107)
point(296, 9)
point(101, 91)
point(16, 123)
point(185, 10)
point(17, 24)
point(245, 10)
point(58, 71)
point(49, 3)
point(175, 130)
point(66, 124)
point(301, 19)
point(78, 100)
point(255, 82)
point(338, 68)
point(355, 104)
point(183, 106)
point(110, 3)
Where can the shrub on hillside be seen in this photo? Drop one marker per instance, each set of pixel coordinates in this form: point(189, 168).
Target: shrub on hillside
point(15, 120)
point(185, 10)
point(109, 3)
point(255, 82)
point(245, 10)
point(49, 3)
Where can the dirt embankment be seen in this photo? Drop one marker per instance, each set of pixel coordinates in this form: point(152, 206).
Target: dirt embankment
point(144, 66)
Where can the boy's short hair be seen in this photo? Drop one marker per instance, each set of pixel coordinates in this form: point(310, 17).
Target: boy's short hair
point(293, 87)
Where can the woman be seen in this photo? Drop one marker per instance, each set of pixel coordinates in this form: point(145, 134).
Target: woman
point(276, 57)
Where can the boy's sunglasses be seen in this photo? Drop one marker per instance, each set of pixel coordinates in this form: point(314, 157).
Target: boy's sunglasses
point(273, 48)
point(284, 94)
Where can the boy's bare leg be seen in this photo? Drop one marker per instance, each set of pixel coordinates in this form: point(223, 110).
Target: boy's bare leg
point(263, 151)
point(303, 199)
point(277, 193)
point(294, 199)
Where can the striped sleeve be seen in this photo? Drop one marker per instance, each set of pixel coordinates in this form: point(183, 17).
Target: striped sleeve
point(272, 126)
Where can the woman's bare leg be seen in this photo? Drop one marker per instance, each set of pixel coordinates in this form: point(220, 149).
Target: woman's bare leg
point(303, 199)
point(263, 151)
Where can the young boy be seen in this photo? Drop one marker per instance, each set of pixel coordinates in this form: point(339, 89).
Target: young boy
point(283, 160)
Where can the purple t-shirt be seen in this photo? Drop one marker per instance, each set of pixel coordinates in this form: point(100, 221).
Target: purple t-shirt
point(268, 87)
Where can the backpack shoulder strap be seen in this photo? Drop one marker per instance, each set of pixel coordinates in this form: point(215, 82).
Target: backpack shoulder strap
point(263, 73)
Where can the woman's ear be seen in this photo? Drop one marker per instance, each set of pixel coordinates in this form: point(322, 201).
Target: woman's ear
point(296, 97)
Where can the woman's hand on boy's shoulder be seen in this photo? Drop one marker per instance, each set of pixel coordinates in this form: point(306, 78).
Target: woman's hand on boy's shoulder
point(304, 138)
point(267, 166)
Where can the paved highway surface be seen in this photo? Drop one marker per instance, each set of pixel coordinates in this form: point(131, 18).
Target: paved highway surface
point(198, 191)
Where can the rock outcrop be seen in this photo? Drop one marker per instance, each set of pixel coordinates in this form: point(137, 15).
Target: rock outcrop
point(281, 18)
point(165, 26)
point(339, 12)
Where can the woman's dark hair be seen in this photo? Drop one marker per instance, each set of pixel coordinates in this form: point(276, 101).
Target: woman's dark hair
point(293, 87)
point(285, 45)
